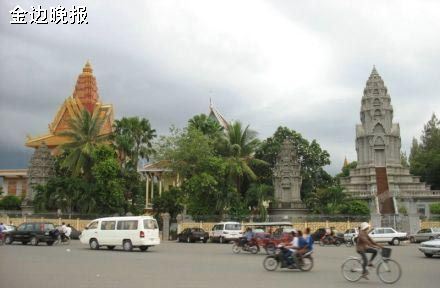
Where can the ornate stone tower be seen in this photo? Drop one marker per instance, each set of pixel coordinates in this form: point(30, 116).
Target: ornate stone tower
point(40, 170)
point(377, 137)
point(379, 176)
point(287, 177)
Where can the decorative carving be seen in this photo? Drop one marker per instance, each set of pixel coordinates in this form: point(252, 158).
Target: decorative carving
point(287, 177)
point(40, 170)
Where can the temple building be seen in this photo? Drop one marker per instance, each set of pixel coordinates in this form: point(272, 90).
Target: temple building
point(379, 176)
point(85, 96)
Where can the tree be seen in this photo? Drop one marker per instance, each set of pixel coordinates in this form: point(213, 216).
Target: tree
point(170, 201)
point(311, 157)
point(84, 135)
point(205, 125)
point(239, 151)
point(425, 156)
point(258, 196)
point(355, 207)
point(132, 138)
point(108, 182)
point(345, 171)
point(10, 202)
point(435, 208)
point(327, 200)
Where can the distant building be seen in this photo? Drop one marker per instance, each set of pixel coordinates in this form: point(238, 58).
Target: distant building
point(85, 96)
point(379, 176)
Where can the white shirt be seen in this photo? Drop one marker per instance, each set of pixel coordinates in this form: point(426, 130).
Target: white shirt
point(68, 231)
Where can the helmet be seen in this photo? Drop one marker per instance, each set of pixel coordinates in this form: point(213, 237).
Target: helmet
point(365, 225)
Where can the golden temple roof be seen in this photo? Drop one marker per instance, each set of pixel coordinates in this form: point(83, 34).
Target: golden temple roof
point(84, 96)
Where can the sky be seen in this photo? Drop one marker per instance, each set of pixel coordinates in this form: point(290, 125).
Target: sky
point(300, 64)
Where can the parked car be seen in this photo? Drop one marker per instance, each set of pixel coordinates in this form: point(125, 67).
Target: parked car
point(387, 235)
point(33, 232)
point(126, 231)
point(191, 235)
point(424, 235)
point(75, 233)
point(317, 235)
point(224, 232)
point(349, 234)
point(431, 247)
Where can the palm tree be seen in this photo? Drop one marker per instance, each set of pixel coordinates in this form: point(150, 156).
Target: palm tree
point(205, 125)
point(239, 149)
point(132, 138)
point(258, 196)
point(84, 136)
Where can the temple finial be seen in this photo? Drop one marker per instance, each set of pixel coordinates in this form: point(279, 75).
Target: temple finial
point(345, 162)
point(88, 67)
point(374, 71)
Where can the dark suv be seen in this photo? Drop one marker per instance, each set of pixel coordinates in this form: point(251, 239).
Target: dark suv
point(33, 232)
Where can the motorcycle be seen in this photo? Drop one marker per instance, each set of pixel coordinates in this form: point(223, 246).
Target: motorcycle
point(330, 240)
point(303, 263)
point(248, 246)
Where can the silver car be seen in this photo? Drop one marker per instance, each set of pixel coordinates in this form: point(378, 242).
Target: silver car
point(431, 247)
point(424, 235)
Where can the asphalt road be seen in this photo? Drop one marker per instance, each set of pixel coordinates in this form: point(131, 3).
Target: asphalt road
point(190, 265)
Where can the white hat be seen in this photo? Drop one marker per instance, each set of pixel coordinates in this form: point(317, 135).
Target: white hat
point(364, 225)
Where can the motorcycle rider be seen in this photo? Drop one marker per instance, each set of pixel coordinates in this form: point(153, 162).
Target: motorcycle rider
point(247, 237)
point(365, 245)
point(291, 248)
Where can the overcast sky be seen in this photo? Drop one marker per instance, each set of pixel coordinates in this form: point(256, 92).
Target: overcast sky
point(300, 64)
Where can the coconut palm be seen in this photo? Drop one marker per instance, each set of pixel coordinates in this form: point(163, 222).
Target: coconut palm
point(239, 150)
point(84, 136)
point(132, 138)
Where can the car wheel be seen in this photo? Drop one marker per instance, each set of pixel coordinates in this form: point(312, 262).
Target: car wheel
point(428, 255)
point(127, 246)
point(49, 243)
point(395, 241)
point(205, 240)
point(143, 248)
point(24, 242)
point(111, 247)
point(412, 239)
point(94, 244)
point(431, 238)
point(337, 243)
point(8, 240)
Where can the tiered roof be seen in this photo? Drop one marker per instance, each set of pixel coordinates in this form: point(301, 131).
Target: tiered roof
point(84, 96)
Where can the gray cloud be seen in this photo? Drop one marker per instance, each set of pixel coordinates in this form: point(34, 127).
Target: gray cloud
point(267, 63)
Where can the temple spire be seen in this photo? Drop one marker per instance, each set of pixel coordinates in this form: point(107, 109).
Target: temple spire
point(345, 162)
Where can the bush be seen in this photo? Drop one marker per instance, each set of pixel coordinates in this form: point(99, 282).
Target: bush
point(10, 203)
point(435, 208)
point(355, 207)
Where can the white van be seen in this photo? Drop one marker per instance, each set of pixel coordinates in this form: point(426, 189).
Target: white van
point(127, 231)
point(225, 232)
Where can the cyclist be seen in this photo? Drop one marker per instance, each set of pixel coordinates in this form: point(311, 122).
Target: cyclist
point(68, 231)
point(365, 245)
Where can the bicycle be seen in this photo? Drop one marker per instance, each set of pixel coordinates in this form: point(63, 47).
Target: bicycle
point(62, 240)
point(388, 270)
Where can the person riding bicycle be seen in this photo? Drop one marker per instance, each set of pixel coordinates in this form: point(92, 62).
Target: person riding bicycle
point(68, 231)
point(63, 230)
point(365, 245)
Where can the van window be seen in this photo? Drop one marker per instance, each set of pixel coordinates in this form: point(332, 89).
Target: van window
point(150, 224)
point(233, 227)
point(108, 225)
point(128, 225)
point(93, 225)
